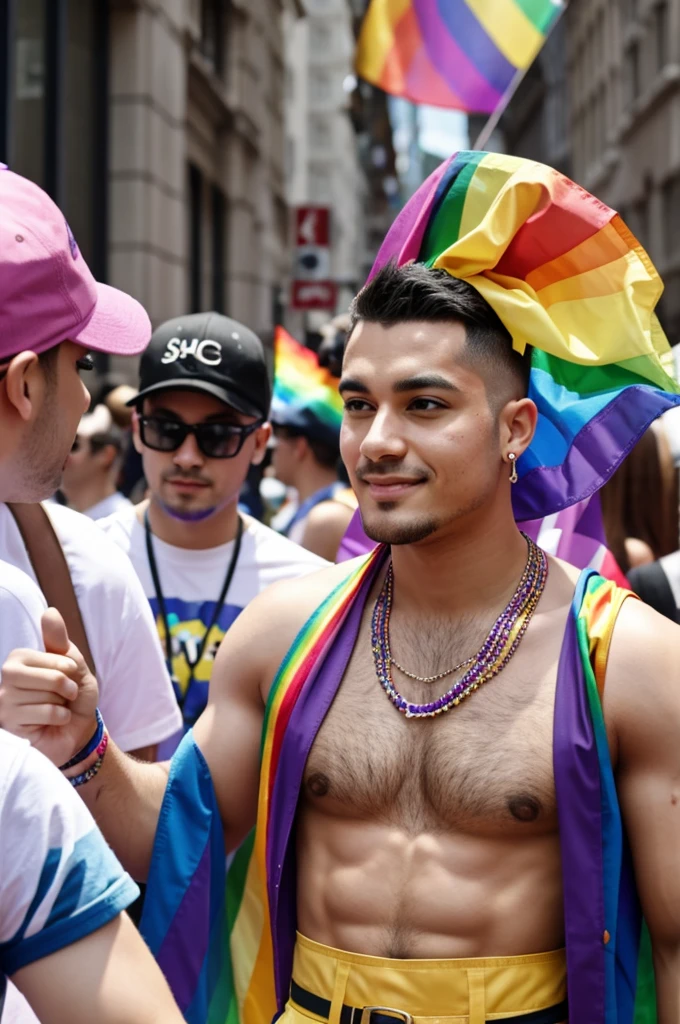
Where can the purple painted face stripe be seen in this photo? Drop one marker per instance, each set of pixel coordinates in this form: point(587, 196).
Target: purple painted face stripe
point(577, 787)
point(309, 712)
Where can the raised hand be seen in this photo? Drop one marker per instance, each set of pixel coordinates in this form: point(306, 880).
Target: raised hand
point(50, 697)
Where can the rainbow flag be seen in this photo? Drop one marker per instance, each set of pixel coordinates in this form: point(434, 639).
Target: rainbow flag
point(227, 949)
point(464, 54)
point(212, 936)
point(565, 276)
point(305, 394)
point(610, 974)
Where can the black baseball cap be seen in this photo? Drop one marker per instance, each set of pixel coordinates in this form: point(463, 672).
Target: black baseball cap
point(211, 353)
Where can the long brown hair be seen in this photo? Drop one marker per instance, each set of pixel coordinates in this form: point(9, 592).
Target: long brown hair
point(641, 499)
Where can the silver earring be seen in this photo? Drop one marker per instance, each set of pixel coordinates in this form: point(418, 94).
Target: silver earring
point(513, 462)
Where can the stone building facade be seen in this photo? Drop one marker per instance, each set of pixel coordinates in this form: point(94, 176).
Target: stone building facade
point(322, 150)
point(624, 94)
point(611, 76)
point(158, 125)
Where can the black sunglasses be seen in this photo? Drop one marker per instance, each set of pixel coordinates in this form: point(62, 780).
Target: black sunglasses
point(215, 440)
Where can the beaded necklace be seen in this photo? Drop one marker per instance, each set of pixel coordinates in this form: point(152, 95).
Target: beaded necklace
point(501, 642)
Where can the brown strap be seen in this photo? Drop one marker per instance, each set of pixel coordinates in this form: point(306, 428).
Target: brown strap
point(52, 572)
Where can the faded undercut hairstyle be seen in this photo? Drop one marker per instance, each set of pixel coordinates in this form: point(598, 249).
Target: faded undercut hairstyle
point(415, 293)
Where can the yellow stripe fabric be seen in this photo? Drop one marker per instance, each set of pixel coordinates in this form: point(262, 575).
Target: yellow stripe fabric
point(377, 37)
point(507, 25)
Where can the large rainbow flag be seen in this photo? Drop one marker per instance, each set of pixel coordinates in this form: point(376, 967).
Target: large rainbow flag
point(227, 949)
point(464, 54)
point(567, 277)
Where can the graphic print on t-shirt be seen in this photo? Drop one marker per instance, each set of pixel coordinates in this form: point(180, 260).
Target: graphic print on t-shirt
point(187, 621)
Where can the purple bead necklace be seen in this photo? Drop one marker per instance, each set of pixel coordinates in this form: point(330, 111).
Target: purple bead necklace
point(501, 642)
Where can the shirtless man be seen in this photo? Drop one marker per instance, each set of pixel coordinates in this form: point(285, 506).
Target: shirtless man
point(424, 839)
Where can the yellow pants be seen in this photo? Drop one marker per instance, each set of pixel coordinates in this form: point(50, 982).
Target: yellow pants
point(428, 991)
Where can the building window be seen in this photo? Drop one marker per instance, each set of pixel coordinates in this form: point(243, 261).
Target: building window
point(632, 73)
point(26, 122)
point(219, 214)
point(195, 239)
point(660, 17)
point(319, 183)
point(212, 33)
point(629, 10)
point(320, 38)
point(53, 108)
point(671, 217)
point(319, 85)
point(320, 132)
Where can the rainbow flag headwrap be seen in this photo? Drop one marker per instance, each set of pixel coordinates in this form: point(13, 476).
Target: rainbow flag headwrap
point(227, 950)
point(565, 276)
point(463, 54)
point(306, 395)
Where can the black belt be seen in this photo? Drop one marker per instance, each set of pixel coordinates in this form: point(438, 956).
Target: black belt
point(387, 1015)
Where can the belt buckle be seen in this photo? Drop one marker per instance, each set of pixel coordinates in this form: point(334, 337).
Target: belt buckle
point(401, 1015)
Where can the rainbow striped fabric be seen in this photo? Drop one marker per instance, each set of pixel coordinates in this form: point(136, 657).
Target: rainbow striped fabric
point(463, 54)
point(213, 938)
point(609, 956)
point(305, 394)
point(565, 276)
point(227, 950)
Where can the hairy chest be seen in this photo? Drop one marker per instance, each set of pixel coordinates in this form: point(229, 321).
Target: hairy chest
point(484, 767)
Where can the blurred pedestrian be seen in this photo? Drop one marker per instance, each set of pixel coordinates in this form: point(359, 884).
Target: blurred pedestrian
point(64, 939)
point(640, 503)
point(306, 420)
point(333, 341)
point(51, 312)
point(200, 421)
point(92, 468)
point(61, 890)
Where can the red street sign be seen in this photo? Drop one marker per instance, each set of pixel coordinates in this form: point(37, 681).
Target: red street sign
point(312, 225)
point(314, 295)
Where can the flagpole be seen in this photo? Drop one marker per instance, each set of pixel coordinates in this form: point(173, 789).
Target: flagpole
point(519, 76)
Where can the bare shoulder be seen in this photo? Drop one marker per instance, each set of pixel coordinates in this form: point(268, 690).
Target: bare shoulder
point(642, 685)
point(259, 639)
point(329, 513)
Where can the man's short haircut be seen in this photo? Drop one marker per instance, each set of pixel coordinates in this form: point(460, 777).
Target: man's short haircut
point(48, 362)
point(414, 293)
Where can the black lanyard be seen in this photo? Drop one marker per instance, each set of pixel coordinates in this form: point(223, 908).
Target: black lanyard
point(153, 566)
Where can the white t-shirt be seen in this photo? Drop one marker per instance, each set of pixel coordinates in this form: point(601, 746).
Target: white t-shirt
point(136, 697)
point(191, 582)
point(108, 506)
point(59, 880)
point(21, 607)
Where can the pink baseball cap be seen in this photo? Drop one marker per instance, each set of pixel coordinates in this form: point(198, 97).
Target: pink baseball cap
point(47, 292)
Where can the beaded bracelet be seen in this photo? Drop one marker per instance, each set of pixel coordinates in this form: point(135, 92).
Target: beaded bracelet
point(91, 745)
point(80, 780)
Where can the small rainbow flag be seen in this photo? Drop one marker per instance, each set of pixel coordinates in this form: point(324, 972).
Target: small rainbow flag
point(463, 54)
point(304, 392)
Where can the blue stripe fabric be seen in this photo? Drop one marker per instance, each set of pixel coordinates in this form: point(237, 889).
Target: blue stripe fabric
point(94, 891)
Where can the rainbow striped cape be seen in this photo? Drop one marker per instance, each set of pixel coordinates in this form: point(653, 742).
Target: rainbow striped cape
point(463, 54)
point(226, 945)
point(565, 276)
